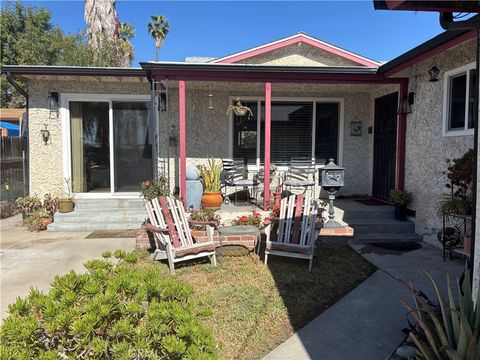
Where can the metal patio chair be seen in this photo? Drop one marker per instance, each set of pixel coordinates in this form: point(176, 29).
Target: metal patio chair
point(235, 174)
point(300, 174)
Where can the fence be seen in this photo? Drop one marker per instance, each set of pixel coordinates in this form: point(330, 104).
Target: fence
point(12, 168)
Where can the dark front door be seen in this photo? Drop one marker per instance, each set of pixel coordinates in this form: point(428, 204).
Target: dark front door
point(385, 145)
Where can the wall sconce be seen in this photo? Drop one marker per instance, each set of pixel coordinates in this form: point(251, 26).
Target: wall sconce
point(162, 102)
point(45, 135)
point(411, 97)
point(433, 72)
point(53, 100)
point(404, 107)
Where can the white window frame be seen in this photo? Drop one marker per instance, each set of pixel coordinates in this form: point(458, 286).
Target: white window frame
point(465, 69)
point(65, 99)
point(313, 100)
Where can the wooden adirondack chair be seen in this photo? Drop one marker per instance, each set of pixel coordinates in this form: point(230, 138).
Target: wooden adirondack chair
point(296, 229)
point(174, 241)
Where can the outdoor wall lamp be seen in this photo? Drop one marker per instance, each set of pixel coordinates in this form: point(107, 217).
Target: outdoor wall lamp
point(404, 107)
point(45, 134)
point(162, 102)
point(53, 100)
point(433, 72)
point(210, 99)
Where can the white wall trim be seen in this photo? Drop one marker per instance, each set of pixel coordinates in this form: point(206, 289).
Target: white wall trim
point(65, 98)
point(341, 130)
point(446, 100)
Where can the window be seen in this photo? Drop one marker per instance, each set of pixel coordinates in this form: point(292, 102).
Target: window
point(458, 100)
point(295, 126)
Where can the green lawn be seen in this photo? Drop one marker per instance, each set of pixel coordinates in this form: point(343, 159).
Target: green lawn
point(255, 307)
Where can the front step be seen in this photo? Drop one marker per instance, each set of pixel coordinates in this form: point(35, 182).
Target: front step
point(384, 238)
point(369, 226)
point(101, 214)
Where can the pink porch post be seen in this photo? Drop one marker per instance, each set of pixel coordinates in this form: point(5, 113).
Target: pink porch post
point(183, 151)
point(268, 116)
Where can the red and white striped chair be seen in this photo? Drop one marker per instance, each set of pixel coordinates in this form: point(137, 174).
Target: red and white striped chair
point(296, 230)
point(174, 241)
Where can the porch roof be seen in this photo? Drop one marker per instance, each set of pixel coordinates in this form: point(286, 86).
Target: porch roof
point(263, 73)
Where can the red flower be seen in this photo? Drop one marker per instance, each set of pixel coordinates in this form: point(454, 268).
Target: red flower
point(146, 183)
point(243, 218)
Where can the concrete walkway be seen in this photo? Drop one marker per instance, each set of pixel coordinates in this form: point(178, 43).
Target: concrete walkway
point(366, 324)
point(34, 258)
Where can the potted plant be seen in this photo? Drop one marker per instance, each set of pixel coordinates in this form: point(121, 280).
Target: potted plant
point(28, 204)
point(155, 188)
point(239, 109)
point(204, 216)
point(65, 204)
point(38, 219)
point(212, 198)
point(401, 199)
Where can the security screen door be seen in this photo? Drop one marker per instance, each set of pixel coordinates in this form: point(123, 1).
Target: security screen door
point(110, 153)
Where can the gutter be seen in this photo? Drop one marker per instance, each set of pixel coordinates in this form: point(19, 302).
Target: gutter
point(71, 70)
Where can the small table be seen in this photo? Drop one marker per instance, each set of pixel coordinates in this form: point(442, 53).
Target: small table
point(238, 230)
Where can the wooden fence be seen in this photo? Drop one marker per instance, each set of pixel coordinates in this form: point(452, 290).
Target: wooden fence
point(12, 168)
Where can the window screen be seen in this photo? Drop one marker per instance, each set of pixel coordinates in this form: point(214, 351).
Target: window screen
point(458, 91)
point(245, 135)
point(326, 132)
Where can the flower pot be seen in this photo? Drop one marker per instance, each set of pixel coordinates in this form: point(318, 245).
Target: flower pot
point(467, 243)
point(65, 205)
point(241, 111)
point(212, 200)
point(46, 222)
point(400, 211)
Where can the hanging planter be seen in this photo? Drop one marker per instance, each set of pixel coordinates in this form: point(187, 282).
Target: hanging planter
point(239, 109)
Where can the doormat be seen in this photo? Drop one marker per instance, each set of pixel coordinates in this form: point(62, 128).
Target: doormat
point(371, 202)
point(115, 234)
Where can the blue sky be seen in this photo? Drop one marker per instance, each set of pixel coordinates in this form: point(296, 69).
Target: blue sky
point(218, 28)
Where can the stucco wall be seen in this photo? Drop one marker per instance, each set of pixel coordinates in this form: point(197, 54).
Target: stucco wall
point(46, 169)
point(427, 150)
point(299, 54)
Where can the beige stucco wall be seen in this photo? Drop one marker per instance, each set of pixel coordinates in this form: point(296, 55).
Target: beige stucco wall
point(46, 164)
point(427, 150)
point(299, 54)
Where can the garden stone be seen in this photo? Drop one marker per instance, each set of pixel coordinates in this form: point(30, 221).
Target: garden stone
point(406, 352)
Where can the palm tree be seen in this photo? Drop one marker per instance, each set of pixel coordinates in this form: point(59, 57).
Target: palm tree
point(158, 28)
point(126, 32)
point(102, 21)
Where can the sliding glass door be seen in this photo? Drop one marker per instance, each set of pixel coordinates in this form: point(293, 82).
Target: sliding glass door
point(111, 151)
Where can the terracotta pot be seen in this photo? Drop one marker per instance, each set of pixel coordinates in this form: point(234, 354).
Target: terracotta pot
point(467, 244)
point(212, 200)
point(65, 205)
point(46, 222)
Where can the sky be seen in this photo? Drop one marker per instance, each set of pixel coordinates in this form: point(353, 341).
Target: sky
point(219, 28)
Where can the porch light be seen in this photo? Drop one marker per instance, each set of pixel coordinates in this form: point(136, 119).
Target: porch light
point(433, 72)
point(162, 102)
point(404, 107)
point(45, 134)
point(332, 179)
point(53, 100)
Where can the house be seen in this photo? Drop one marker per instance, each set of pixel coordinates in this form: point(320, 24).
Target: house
point(11, 121)
point(112, 128)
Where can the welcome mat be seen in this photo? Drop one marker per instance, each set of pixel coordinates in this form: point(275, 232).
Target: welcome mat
point(371, 202)
point(116, 234)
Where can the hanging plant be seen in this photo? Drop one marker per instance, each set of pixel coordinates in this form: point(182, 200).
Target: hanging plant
point(239, 109)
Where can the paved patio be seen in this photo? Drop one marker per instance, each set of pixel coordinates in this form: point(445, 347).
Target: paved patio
point(34, 258)
point(366, 324)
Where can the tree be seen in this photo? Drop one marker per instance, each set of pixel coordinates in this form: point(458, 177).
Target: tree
point(126, 32)
point(158, 29)
point(102, 21)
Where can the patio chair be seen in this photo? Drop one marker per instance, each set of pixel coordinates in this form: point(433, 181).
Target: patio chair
point(169, 223)
point(235, 174)
point(300, 174)
point(294, 233)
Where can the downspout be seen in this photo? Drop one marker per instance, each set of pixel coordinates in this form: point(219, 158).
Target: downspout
point(26, 179)
point(447, 23)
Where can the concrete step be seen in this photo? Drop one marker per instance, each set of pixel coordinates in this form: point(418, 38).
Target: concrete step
point(349, 216)
point(385, 238)
point(106, 204)
point(103, 215)
point(369, 226)
point(92, 226)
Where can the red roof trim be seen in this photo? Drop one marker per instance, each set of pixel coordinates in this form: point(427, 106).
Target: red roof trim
point(294, 40)
point(432, 52)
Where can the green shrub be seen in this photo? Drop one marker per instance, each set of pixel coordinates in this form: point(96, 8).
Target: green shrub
point(38, 220)
point(28, 204)
point(400, 197)
point(155, 188)
point(111, 312)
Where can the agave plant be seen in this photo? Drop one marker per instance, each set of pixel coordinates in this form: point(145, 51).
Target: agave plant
point(454, 333)
point(211, 176)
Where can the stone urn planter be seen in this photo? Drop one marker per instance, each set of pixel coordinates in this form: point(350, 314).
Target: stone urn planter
point(65, 205)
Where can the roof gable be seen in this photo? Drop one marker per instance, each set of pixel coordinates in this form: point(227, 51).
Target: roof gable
point(343, 56)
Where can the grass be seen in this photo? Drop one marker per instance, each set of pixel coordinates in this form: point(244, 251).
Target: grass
point(257, 307)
